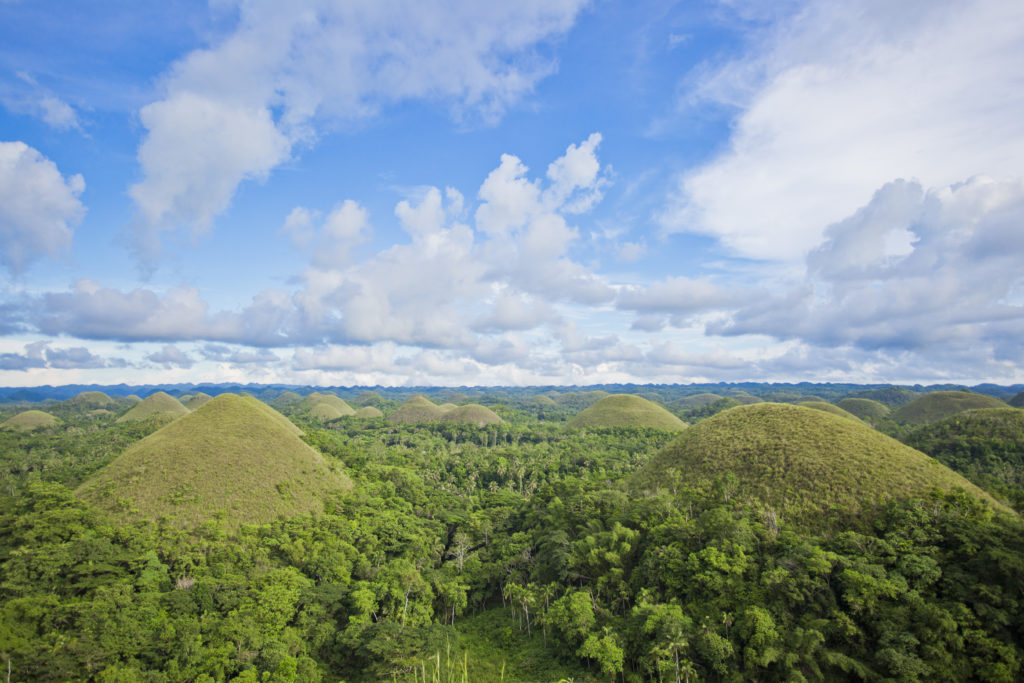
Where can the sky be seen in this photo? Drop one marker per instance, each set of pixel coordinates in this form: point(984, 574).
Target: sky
point(545, 192)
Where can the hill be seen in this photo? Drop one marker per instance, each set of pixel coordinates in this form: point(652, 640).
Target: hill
point(696, 401)
point(233, 455)
point(807, 466)
point(829, 408)
point(894, 397)
point(471, 414)
point(368, 413)
point(325, 412)
point(316, 398)
point(197, 400)
point(88, 400)
point(29, 420)
point(159, 406)
point(416, 409)
point(286, 399)
point(939, 405)
point(1017, 401)
point(986, 446)
point(626, 410)
point(866, 409)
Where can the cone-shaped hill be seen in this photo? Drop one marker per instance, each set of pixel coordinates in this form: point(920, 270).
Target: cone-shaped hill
point(29, 420)
point(626, 410)
point(159, 406)
point(421, 409)
point(471, 414)
point(315, 399)
point(325, 412)
point(866, 409)
point(197, 400)
point(88, 400)
point(416, 409)
point(368, 413)
point(939, 405)
point(986, 446)
point(233, 454)
point(805, 465)
point(829, 408)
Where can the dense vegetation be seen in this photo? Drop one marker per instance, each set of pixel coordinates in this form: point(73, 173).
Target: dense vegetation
point(516, 551)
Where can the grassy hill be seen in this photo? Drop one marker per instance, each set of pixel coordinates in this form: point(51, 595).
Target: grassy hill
point(197, 400)
point(696, 401)
point(829, 408)
point(159, 406)
point(90, 399)
point(29, 420)
point(325, 412)
point(234, 458)
point(368, 413)
point(416, 409)
point(286, 399)
point(894, 397)
point(866, 409)
point(1017, 401)
point(471, 414)
point(986, 446)
point(626, 410)
point(939, 405)
point(805, 465)
point(316, 398)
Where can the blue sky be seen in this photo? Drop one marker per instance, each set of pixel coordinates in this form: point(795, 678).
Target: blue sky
point(558, 192)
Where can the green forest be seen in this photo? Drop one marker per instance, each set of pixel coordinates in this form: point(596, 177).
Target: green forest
point(723, 533)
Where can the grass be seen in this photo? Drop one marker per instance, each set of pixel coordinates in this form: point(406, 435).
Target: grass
point(30, 420)
point(197, 400)
point(939, 405)
point(90, 399)
point(626, 410)
point(368, 413)
point(325, 412)
point(894, 397)
point(696, 401)
point(805, 465)
point(829, 408)
point(420, 409)
point(315, 399)
point(866, 409)
point(234, 458)
point(159, 406)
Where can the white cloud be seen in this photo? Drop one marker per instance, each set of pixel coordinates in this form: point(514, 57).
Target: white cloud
point(958, 289)
point(38, 206)
point(841, 98)
point(238, 109)
point(171, 356)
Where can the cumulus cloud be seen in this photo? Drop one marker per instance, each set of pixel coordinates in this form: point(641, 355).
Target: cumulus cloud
point(171, 356)
point(38, 206)
point(238, 109)
point(953, 283)
point(840, 98)
point(41, 355)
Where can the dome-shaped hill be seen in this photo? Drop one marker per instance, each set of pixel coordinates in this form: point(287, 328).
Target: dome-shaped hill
point(1017, 401)
point(29, 420)
point(939, 405)
point(866, 409)
point(803, 464)
point(416, 409)
point(159, 406)
point(696, 401)
point(197, 400)
point(626, 410)
point(233, 454)
point(325, 412)
point(829, 408)
point(315, 399)
point(986, 446)
point(472, 414)
point(286, 399)
point(88, 400)
point(894, 397)
point(542, 401)
point(368, 413)
point(132, 399)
